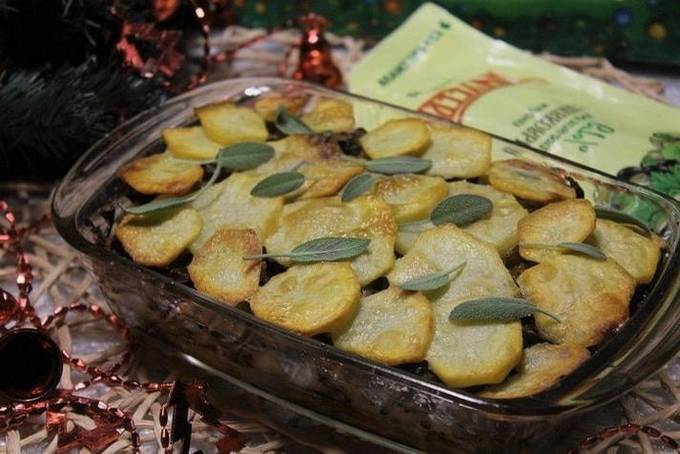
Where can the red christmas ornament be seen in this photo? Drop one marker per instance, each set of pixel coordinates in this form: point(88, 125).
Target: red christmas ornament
point(316, 63)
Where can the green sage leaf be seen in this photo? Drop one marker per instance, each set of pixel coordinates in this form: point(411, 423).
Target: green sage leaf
point(432, 281)
point(165, 203)
point(244, 156)
point(584, 249)
point(322, 250)
point(461, 209)
point(623, 218)
point(392, 165)
point(357, 186)
point(278, 184)
point(289, 124)
point(498, 309)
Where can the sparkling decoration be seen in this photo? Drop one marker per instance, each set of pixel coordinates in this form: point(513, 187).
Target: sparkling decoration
point(57, 404)
point(316, 63)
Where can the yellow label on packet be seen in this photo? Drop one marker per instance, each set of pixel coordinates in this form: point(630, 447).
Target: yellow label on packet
point(437, 64)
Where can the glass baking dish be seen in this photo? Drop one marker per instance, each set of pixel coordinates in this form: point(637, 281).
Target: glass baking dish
point(393, 403)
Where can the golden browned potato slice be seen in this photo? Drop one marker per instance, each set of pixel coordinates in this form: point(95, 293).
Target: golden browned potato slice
point(500, 227)
point(229, 204)
point(529, 181)
point(190, 143)
point(330, 115)
point(567, 221)
point(542, 366)
point(411, 197)
point(218, 268)
point(405, 136)
point(461, 353)
point(391, 327)
point(637, 254)
point(292, 151)
point(458, 152)
point(267, 106)
point(309, 299)
point(364, 217)
point(156, 239)
point(327, 178)
point(160, 174)
point(589, 296)
point(227, 123)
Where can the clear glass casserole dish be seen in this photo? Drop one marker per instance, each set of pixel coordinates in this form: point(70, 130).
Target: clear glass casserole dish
point(393, 403)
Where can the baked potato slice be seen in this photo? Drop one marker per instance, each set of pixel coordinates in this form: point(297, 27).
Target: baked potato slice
point(190, 143)
point(332, 115)
point(542, 366)
point(293, 151)
point(404, 136)
point(458, 152)
point(463, 354)
point(529, 181)
point(500, 227)
point(391, 327)
point(566, 221)
point(411, 197)
point(364, 217)
point(161, 174)
point(227, 123)
point(636, 253)
point(229, 204)
point(589, 296)
point(327, 178)
point(218, 268)
point(156, 239)
point(309, 299)
point(268, 105)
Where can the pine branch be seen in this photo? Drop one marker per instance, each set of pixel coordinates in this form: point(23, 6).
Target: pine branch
point(48, 118)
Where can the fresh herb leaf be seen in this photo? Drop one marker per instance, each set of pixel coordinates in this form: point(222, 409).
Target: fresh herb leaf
point(580, 248)
point(322, 250)
point(289, 124)
point(432, 281)
point(278, 184)
point(623, 218)
point(461, 209)
point(244, 156)
point(496, 309)
point(165, 203)
point(392, 165)
point(357, 186)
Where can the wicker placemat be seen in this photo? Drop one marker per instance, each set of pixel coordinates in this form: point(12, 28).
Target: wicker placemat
point(61, 280)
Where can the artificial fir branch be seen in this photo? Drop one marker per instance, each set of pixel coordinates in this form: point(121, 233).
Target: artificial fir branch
point(49, 117)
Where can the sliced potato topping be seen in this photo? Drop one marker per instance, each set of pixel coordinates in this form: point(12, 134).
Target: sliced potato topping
point(156, 239)
point(500, 227)
point(364, 217)
point(411, 197)
point(589, 296)
point(529, 181)
point(567, 221)
point(458, 152)
point(391, 327)
point(461, 353)
point(636, 253)
point(227, 123)
point(309, 299)
point(267, 106)
point(161, 174)
point(330, 115)
point(404, 136)
point(542, 366)
point(293, 151)
point(327, 178)
point(218, 268)
point(229, 204)
point(190, 143)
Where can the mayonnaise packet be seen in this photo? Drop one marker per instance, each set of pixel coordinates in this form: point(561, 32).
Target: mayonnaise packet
point(437, 64)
